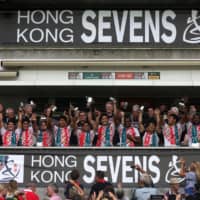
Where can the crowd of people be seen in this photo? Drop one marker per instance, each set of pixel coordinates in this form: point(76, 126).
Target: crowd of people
point(116, 125)
point(102, 189)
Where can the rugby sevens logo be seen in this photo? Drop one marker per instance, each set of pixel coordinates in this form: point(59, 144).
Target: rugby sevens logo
point(11, 168)
point(174, 169)
point(192, 32)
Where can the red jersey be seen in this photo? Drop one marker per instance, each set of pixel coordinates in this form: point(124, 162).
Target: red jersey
point(30, 195)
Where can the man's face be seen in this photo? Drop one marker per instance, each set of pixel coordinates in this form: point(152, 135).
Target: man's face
point(104, 120)
point(86, 127)
point(28, 109)
point(196, 119)
point(62, 123)
point(82, 116)
point(151, 127)
point(162, 108)
point(25, 125)
point(127, 123)
point(109, 107)
point(49, 191)
point(150, 112)
point(11, 126)
point(43, 126)
point(10, 113)
point(171, 120)
point(135, 114)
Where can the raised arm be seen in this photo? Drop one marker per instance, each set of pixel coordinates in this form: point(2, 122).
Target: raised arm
point(1, 120)
point(19, 124)
point(141, 126)
point(138, 168)
point(79, 189)
point(183, 167)
point(157, 116)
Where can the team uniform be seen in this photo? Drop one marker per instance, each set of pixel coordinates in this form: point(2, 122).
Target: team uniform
point(9, 138)
point(26, 137)
point(124, 132)
point(105, 135)
point(44, 138)
point(172, 135)
point(62, 136)
point(150, 139)
point(193, 134)
point(85, 139)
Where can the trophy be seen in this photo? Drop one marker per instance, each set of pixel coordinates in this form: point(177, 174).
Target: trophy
point(112, 99)
point(181, 103)
point(142, 108)
point(53, 108)
point(76, 109)
point(90, 101)
point(21, 106)
point(43, 118)
point(125, 105)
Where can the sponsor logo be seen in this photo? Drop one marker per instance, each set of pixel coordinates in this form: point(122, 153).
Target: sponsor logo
point(11, 168)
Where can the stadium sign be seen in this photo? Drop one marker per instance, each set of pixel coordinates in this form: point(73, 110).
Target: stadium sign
point(100, 28)
point(44, 166)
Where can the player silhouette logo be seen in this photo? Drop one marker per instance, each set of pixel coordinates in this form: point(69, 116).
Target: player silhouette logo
point(174, 169)
point(9, 170)
point(192, 32)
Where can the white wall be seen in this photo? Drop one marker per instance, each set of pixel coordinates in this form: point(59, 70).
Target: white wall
point(169, 76)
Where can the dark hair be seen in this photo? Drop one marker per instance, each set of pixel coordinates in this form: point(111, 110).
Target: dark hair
point(25, 119)
point(120, 194)
point(100, 174)
point(103, 115)
point(174, 116)
point(106, 191)
point(43, 122)
point(74, 174)
point(150, 121)
point(11, 121)
point(63, 117)
point(127, 116)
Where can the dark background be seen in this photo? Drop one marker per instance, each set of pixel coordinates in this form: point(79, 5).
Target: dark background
point(98, 4)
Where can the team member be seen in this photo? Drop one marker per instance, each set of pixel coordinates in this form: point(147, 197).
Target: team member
point(129, 136)
point(192, 137)
point(150, 132)
point(44, 137)
point(9, 136)
point(62, 132)
point(172, 131)
point(85, 135)
point(105, 132)
point(25, 132)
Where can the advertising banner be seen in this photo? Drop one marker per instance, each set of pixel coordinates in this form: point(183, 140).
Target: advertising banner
point(44, 166)
point(100, 28)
